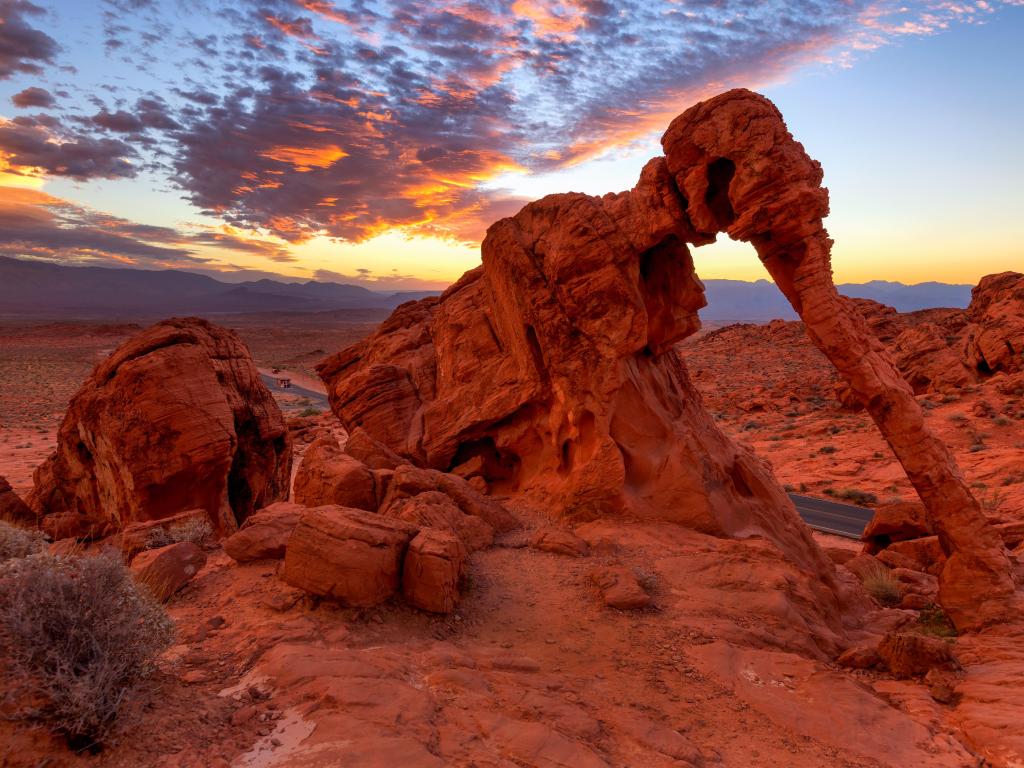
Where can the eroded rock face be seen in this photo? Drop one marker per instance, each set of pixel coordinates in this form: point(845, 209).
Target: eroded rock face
point(12, 508)
point(550, 370)
point(175, 419)
point(996, 334)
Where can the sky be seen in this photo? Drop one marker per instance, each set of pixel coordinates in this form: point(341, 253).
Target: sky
point(373, 142)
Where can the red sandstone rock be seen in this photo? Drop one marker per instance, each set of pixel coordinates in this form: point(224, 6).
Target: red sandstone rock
point(560, 542)
point(408, 481)
point(175, 419)
point(347, 554)
point(996, 334)
point(620, 587)
point(552, 366)
point(434, 509)
point(433, 570)
point(165, 570)
point(327, 475)
point(911, 655)
point(373, 454)
point(12, 508)
point(860, 657)
point(897, 521)
point(265, 533)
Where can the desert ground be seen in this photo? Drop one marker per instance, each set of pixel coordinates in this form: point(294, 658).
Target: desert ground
point(531, 668)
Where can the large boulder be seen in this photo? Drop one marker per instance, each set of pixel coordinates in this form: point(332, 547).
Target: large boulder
point(896, 521)
point(327, 475)
point(349, 555)
point(176, 418)
point(433, 571)
point(265, 533)
point(12, 508)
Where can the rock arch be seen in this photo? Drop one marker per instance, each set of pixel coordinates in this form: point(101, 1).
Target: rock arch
point(550, 370)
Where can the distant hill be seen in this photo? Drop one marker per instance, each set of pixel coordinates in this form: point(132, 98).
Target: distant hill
point(43, 289)
point(736, 301)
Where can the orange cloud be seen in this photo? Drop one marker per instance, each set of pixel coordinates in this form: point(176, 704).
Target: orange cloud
point(306, 158)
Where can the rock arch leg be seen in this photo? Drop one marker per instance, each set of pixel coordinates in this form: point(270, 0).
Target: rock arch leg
point(778, 205)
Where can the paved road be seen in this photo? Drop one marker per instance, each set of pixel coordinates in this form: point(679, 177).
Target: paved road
point(318, 399)
point(832, 517)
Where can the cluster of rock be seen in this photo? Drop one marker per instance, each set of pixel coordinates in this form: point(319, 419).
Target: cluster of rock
point(939, 350)
point(360, 533)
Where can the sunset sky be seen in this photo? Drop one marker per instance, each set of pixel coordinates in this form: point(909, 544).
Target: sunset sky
point(373, 142)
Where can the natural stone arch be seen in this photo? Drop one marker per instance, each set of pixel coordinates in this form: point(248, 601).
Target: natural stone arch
point(550, 370)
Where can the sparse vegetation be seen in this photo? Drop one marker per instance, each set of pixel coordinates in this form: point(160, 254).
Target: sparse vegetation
point(827, 449)
point(883, 586)
point(310, 412)
point(857, 496)
point(76, 637)
point(19, 542)
point(934, 621)
point(197, 531)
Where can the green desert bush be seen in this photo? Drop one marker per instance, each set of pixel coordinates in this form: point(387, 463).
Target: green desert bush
point(19, 542)
point(76, 638)
point(882, 585)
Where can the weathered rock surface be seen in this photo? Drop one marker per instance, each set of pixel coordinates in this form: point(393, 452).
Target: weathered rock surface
point(552, 366)
point(265, 533)
point(620, 587)
point(327, 475)
point(897, 521)
point(433, 571)
point(12, 508)
point(910, 655)
point(175, 419)
point(995, 337)
point(408, 481)
point(370, 452)
point(433, 509)
point(347, 554)
point(165, 570)
point(559, 541)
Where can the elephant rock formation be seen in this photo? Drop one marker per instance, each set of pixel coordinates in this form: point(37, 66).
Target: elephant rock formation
point(550, 370)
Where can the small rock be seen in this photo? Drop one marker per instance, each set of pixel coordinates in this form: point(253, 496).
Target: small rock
point(620, 588)
point(560, 542)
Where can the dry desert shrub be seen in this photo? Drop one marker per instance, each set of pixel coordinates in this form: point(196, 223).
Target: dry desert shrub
point(19, 542)
point(883, 586)
point(197, 531)
point(76, 638)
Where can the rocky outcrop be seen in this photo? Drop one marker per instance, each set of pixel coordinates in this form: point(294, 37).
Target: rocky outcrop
point(175, 419)
point(995, 337)
point(12, 508)
point(551, 369)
